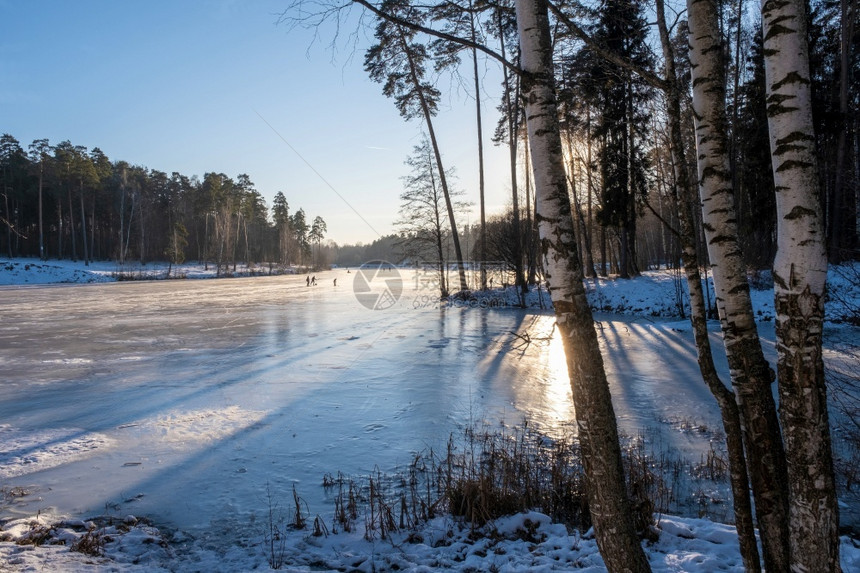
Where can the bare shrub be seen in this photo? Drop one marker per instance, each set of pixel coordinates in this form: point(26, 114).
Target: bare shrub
point(274, 536)
point(299, 520)
point(91, 543)
point(37, 535)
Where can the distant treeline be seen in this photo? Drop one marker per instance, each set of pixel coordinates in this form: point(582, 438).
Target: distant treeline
point(64, 201)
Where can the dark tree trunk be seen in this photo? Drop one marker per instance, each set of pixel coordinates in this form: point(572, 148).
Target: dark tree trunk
point(608, 502)
point(443, 181)
point(84, 227)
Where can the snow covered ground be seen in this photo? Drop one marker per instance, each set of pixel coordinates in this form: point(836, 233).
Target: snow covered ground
point(157, 414)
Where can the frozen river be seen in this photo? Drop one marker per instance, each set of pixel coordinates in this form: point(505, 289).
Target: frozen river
point(182, 400)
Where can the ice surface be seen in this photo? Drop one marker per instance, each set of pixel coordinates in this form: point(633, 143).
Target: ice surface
point(183, 399)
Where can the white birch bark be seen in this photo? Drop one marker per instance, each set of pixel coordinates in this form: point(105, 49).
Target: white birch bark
point(725, 398)
point(750, 372)
point(800, 272)
point(608, 503)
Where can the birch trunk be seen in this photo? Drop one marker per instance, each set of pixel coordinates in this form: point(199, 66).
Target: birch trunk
point(725, 398)
point(608, 502)
point(800, 273)
point(750, 372)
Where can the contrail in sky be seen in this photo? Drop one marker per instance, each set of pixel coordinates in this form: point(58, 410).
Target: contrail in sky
point(323, 179)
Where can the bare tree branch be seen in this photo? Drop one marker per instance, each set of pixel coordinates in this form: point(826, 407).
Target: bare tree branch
point(437, 34)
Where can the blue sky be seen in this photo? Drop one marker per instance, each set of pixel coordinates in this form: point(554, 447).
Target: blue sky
point(191, 85)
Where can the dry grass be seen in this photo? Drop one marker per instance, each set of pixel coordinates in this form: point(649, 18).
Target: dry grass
point(485, 474)
point(91, 543)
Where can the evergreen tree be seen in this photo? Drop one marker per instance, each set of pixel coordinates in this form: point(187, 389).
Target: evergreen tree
point(398, 61)
point(618, 97)
point(756, 206)
point(39, 154)
point(300, 228)
point(316, 235)
point(12, 174)
point(281, 218)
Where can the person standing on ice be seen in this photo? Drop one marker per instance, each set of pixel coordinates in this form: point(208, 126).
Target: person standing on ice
point(308, 280)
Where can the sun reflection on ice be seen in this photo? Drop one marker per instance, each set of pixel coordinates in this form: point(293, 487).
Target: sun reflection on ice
point(558, 387)
point(544, 395)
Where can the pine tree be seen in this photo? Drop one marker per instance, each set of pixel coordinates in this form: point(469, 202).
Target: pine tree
point(40, 153)
point(399, 62)
point(618, 96)
point(756, 205)
point(281, 218)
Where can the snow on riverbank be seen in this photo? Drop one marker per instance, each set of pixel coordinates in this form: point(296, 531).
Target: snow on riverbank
point(653, 294)
point(21, 272)
point(518, 543)
point(523, 542)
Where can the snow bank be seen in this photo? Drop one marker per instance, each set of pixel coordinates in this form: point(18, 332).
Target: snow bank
point(665, 294)
point(523, 542)
point(35, 272)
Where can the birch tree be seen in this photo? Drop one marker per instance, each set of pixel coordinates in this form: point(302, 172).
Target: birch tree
point(725, 398)
point(751, 374)
point(608, 502)
point(800, 273)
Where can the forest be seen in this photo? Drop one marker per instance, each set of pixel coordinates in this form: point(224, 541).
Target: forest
point(64, 201)
point(734, 125)
point(615, 132)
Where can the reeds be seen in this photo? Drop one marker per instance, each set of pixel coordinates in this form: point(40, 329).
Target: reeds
point(488, 473)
